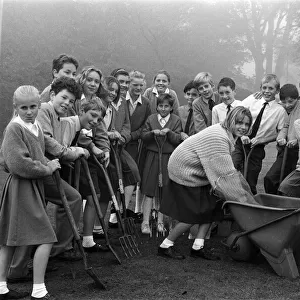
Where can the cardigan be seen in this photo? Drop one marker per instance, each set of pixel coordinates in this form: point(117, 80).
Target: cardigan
point(153, 100)
point(173, 136)
point(202, 114)
point(202, 158)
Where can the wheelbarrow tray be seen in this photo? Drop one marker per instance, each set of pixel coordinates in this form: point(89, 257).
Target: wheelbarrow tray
point(276, 241)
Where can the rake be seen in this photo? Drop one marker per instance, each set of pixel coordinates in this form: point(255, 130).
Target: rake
point(88, 269)
point(154, 213)
point(97, 207)
point(129, 223)
point(128, 243)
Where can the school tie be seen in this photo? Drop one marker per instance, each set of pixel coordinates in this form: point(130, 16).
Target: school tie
point(228, 109)
point(162, 122)
point(257, 121)
point(188, 121)
point(211, 103)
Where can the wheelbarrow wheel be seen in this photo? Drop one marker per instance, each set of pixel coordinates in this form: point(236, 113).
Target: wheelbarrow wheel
point(243, 250)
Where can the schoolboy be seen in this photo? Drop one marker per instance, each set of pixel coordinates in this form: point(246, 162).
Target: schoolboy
point(268, 120)
point(63, 65)
point(289, 97)
point(226, 90)
point(203, 105)
point(186, 111)
point(63, 92)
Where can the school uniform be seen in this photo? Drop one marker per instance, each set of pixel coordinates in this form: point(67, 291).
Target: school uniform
point(149, 185)
point(152, 94)
point(272, 122)
point(271, 180)
point(138, 114)
point(202, 112)
point(183, 112)
point(45, 95)
point(220, 111)
point(121, 123)
point(54, 148)
point(194, 167)
point(23, 217)
point(290, 185)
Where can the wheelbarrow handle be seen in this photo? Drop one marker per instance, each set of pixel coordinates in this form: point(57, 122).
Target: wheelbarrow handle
point(262, 226)
point(246, 160)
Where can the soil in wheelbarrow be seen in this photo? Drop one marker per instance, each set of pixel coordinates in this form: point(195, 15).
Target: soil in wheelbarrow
point(151, 277)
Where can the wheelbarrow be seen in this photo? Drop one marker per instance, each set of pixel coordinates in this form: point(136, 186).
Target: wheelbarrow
point(272, 224)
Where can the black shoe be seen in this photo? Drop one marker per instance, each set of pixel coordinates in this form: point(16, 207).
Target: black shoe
point(98, 235)
point(96, 248)
point(113, 225)
point(13, 295)
point(204, 253)
point(169, 253)
point(28, 277)
point(46, 297)
point(69, 255)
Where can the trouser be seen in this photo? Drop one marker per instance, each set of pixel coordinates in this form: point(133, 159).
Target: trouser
point(254, 162)
point(272, 178)
point(63, 230)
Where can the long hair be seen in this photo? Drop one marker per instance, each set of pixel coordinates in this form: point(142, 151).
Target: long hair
point(108, 81)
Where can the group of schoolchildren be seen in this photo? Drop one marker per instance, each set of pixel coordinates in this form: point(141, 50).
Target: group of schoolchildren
point(92, 116)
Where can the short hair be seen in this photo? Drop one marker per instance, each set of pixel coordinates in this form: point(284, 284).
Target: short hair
point(81, 78)
point(162, 97)
point(110, 80)
point(162, 72)
point(226, 81)
point(94, 103)
point(203, 77)
point(62, 59)
point(190, 85)
point(120, 71)
point(268, 78)
point(136, 74)
point(236, 115)
point(66, 83)
point(288, 90)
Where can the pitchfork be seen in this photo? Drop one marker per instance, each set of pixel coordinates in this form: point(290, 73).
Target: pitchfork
point(129, 224)
point(154, 213)
point(128, 243)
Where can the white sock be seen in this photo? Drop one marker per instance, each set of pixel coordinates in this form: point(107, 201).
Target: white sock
point(113, 218)
point(88, 241)
point(3, 288)
point(198, 244)
point(97, 228)
point(166, 243)
point(39, 290)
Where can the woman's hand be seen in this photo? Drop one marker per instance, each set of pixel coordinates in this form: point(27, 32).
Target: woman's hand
point(54, 165)
point(183, 136)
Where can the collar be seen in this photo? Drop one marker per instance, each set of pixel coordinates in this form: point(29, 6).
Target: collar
point(82, 96)
point(159, 117)
point(116, 106)
point(154, 91)
point(33, 127)
point(139, 99)
point(213, 98)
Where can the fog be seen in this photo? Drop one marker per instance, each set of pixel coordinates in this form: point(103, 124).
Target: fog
point(239, 39)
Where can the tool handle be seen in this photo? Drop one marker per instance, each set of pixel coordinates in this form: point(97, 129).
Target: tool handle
point(284, 159)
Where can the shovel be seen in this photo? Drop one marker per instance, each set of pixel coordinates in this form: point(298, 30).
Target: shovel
point(128, 243)
point(65, 203)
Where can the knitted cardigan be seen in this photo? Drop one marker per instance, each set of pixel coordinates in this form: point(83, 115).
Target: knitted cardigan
point(202, 158)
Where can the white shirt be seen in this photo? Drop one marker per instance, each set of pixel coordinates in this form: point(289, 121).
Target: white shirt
point(108, 116)
point(132, 105)
point(32, 127)
point(219, 111)
point(116, 106)
point(272, 120)
point(154, 91)
point(163, 121)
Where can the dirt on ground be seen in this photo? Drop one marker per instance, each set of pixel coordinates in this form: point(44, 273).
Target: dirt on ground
point(148, 276)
